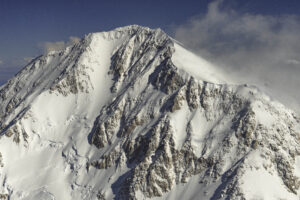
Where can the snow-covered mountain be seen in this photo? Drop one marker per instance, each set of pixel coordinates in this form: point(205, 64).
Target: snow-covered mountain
point(131, 114)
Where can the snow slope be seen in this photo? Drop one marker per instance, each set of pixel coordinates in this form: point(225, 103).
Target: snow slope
point(131, 114)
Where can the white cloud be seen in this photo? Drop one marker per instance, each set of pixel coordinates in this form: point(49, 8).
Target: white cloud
point(11, 67)
point(257, 49)
point(28, 59)
point(73, 39)
point(59, 45)
point(293, 62)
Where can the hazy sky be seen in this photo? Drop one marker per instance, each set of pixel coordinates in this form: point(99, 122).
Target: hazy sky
point(254, 48)
point(257, 41)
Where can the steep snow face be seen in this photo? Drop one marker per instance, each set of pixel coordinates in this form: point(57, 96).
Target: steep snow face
point(201, 69)
point(131, 114)
point(50, 106)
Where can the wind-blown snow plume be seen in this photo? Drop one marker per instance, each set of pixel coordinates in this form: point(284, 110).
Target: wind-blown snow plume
point(59, 45)
point(257, 49)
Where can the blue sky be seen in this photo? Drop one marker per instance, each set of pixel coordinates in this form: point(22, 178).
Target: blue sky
point(26, 25)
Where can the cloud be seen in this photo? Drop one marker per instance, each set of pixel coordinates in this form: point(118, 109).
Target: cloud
point(7, 72)
point(59, 45)
point(12, 66)
point(258, 49)
point(28, 59)
point(293, 62)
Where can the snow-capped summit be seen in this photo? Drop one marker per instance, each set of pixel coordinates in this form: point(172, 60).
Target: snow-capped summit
point(132, 114)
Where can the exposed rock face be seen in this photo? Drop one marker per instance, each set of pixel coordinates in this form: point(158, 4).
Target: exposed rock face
point(159, 129)
point(157, 166)
point(145, 135)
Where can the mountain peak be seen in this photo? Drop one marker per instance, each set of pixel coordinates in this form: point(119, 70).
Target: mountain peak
point(128, 31)
point(131, 114)
point(134, 28)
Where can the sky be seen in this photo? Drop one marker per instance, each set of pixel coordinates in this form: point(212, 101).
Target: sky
point(256, 41)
